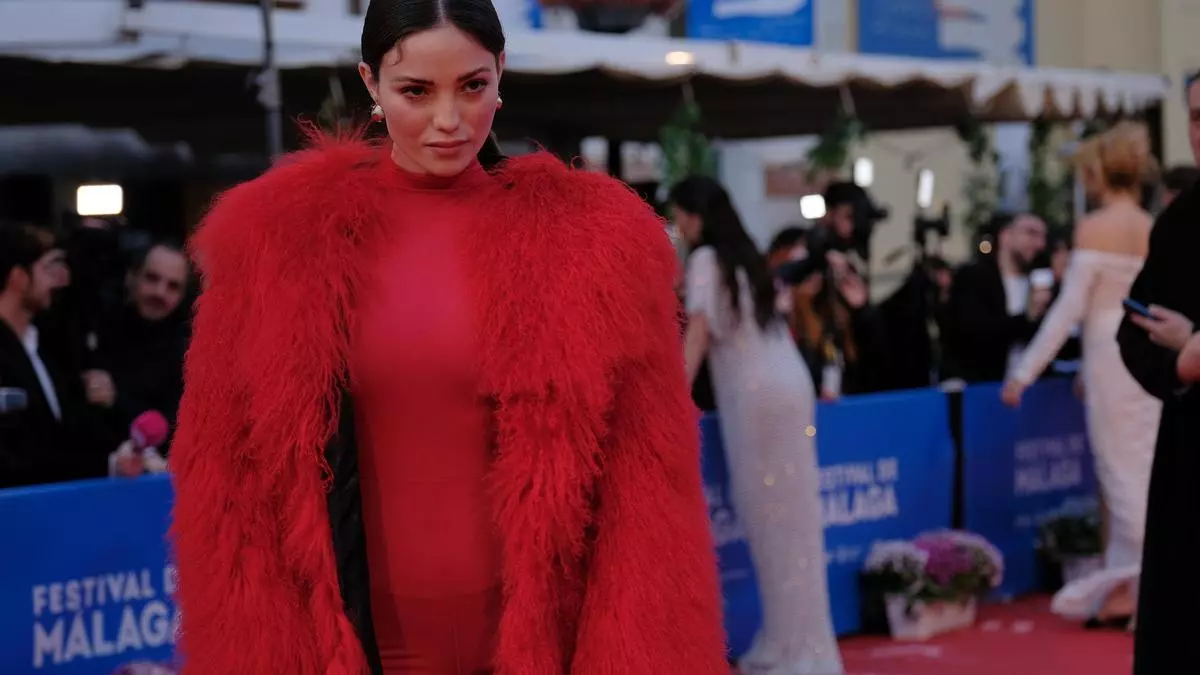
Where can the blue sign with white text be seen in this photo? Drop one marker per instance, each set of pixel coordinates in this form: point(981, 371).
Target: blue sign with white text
point(85, 586)
point(1022, 466)
point(886, 465)
point(781, 21)
point(1000, 32)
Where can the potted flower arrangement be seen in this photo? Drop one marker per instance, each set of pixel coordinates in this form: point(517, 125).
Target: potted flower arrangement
point(1070, 540)
point(931, 585)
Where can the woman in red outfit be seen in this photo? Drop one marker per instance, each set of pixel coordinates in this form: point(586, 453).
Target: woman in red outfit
point(436, 420)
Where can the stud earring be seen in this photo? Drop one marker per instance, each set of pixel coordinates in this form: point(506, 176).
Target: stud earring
point(376, 112)
point(499, 102)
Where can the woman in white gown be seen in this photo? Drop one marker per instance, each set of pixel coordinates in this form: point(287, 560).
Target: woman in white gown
point(765, 395)
point(1122, 419)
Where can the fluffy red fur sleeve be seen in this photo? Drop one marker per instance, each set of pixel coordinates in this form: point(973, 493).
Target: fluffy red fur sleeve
point(653, 603)
point(247, 599)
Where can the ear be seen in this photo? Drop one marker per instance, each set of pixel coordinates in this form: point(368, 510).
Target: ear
point(368, 78)
point(18, 280)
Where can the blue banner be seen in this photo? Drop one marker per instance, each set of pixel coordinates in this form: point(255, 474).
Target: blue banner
point(886, 473)
point(782, 21)
point(1020, 467)
point(995, 31)
point(85, 585)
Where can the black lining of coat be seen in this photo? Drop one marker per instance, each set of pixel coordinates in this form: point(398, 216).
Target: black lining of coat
point(344, 501)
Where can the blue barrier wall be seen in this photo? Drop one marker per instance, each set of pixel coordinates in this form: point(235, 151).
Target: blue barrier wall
point(887, 464)
point(1021, 466)
point(84, 577)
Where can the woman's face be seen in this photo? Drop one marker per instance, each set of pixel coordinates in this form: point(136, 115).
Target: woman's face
point(439, 90)
point(690, 226)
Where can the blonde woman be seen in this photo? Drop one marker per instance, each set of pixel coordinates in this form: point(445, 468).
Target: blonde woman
point(1122, 419)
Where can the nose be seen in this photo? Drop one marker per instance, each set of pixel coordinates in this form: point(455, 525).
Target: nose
point(446, 117)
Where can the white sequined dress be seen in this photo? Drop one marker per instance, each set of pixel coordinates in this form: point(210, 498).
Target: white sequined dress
point(766, 401)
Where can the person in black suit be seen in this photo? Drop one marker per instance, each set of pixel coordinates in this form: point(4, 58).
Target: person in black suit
point(47, 441)
point(1163, 355)
point(137, 365)
point(992, 310)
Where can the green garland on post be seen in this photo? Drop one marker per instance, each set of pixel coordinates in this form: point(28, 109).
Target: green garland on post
point(686, 150)
point(832, 151)
point(982, 188)
point(1046, 196)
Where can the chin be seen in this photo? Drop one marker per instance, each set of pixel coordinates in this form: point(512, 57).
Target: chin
point(448, 167)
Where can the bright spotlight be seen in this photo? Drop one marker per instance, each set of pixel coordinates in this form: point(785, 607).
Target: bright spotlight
point(680, 58)
point(99, 200)
point(864, 172)
point(925, 189)
point(812, 207)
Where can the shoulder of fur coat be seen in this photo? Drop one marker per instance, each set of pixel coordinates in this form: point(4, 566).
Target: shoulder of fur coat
point(597, 236)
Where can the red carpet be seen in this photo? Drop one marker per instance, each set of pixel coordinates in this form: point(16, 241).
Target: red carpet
point(1023, 638)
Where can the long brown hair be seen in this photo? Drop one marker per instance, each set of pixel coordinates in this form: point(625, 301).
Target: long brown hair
point(815, 318)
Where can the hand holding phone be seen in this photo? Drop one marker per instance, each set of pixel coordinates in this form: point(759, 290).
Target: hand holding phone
point(1166, 328)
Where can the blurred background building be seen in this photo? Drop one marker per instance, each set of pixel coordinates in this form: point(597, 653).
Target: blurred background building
point(166, 97)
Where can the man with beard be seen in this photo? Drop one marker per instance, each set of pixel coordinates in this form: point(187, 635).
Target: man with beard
point(137, 364)
point(993, 310)
point(44, 440)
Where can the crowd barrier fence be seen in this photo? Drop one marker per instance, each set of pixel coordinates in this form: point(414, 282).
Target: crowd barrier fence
point(86, 581)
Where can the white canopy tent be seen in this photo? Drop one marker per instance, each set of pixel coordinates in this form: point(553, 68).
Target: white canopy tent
point(175, 34)
point(624, 86)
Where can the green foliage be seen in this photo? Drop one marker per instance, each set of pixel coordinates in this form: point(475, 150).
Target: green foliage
point(832, 151)
point(1070, 535)
point(982, 186)
point(686, 150)
point(1094, 127)
point(1047, 199)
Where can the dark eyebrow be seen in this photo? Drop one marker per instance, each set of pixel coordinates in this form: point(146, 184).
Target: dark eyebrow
point(473, 73)
point(427, 83)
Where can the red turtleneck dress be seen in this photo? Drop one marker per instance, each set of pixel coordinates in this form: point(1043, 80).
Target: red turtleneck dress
point(425, 439)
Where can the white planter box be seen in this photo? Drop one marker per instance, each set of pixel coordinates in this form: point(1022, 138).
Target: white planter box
point(1077, 567)
point(927, 619)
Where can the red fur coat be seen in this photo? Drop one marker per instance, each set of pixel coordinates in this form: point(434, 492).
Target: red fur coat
point(608, 562)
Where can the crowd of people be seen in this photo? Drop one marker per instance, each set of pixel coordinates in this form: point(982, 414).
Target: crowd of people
point(389, 457)
point(1113, 299)
point(92, 335)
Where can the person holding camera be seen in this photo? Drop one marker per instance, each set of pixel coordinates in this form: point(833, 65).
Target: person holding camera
point(837, 331)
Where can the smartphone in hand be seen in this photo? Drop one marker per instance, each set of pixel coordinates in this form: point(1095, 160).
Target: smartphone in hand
point(1134, 307)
